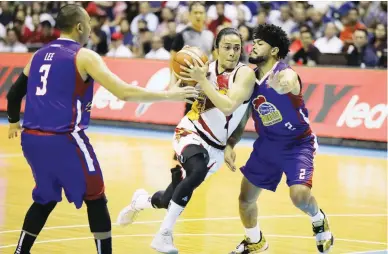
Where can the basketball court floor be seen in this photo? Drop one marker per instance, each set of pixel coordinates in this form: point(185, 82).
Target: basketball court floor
point(349, 184)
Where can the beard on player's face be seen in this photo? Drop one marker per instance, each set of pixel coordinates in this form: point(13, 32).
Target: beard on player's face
point(255, 59)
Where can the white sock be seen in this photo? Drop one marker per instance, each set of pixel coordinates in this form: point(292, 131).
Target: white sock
point(143, 201)
point(173, 212)
point(319, 216)
point(253, 234)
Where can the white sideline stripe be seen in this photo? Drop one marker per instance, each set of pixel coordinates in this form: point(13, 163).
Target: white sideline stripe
point(207, 219)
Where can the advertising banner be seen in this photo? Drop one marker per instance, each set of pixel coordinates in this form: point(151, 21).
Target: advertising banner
point(342, 102)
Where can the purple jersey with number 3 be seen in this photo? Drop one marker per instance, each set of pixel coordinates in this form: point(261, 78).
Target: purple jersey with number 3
point(58, 100)
point(54, 143)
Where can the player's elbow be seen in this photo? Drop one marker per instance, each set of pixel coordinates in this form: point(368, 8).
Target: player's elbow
point(229, 108)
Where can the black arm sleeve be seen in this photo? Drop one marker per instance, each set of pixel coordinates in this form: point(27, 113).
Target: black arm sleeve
point(15, 96)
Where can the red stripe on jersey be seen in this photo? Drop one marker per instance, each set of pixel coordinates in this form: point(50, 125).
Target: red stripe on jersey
point(39, 132)
point(206, 128)
point(297, 101)
point(79, 90)
point(95, 187)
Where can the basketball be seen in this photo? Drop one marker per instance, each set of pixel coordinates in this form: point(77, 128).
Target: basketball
point(188, 53)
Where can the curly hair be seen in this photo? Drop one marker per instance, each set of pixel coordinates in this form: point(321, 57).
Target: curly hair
point(274, 36)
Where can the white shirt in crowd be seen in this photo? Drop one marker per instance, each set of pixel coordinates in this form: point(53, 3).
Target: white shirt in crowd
point(333, 45)
point(161, 54)
point(152, 22)
point(15, 48)
point(121, 51)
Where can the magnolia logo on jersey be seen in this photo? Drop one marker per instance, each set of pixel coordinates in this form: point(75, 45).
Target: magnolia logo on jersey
point(269, 114)
point(356, 114)
point(103, 98)
point(158, 82)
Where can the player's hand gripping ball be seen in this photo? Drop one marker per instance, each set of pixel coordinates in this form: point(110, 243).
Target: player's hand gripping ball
point(186, 57)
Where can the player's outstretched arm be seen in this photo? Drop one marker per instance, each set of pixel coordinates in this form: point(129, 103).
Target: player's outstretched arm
point(93, 65)
point(14, 101)
point(240, 91)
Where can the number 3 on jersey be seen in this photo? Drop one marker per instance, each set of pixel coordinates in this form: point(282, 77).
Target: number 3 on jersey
point(45, 68)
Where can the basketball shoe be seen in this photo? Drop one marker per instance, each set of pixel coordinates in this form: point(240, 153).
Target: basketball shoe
point(246, 247)
point(164, 243)
point(323, 236)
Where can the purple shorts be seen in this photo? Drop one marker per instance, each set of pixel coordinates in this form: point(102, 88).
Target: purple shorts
point(270, 159)
point(62, 161)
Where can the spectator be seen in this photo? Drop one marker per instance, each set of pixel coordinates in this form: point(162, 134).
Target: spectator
point(316, 24)
point(352, 23)
point(157, 51)
point(360, 53)
point(260, 19)
point(297, 43)
point(246, 35)
point(145, 14)
point(98, 38)
point(21, 29)
point(126, 32)
point(379, 42)
point(231, 11)
point(170, 37)
point(117, 48)
point(221, 19)
point(6, 15)
point(373, 13)
point(98, 42)
point(282, 18)
point(44, 34)
point(142, 41)
point(12, 43)
point(300, 17)
point(166, 15)
point(308, 54)
point(330, 43)
point(183, 21)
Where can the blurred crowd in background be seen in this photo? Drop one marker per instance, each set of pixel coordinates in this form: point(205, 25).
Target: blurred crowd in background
point(321, 32)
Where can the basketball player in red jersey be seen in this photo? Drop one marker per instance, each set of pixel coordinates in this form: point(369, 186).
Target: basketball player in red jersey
point(201, 135)
point(58, 84)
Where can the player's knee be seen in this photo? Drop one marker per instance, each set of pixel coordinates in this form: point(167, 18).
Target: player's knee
point(158, 200)
point(98, 215)
point(47, 208)
point(197, 151)
point(300, 195)
point(245, 202)
point(196, 170)
point(195, 160)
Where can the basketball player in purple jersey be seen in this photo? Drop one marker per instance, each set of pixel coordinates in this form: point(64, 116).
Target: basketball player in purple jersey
point(286, 143)
point(58, 82)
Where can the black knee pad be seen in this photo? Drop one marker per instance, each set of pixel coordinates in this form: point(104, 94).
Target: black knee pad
point(196, 169)
point(157, 200)
point(98, 215)
point(193, 150)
